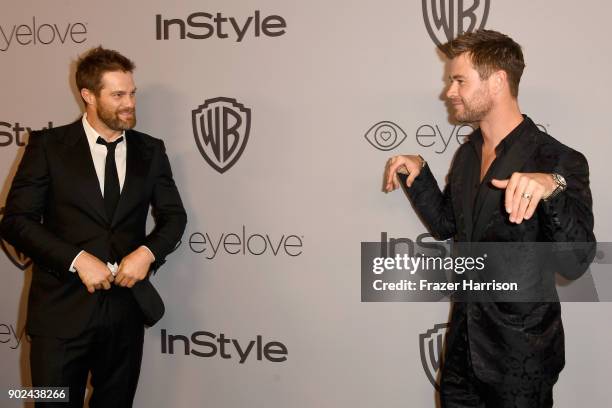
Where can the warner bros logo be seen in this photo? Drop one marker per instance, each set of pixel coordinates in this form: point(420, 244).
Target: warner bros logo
point(19, 259)
point(446, 19)
point(221, 128)
point(431, 344)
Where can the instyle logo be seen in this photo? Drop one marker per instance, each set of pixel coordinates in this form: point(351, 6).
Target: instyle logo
point(19, 259)
point(446, 19)
point(221, 128)
point(246, 243)
point(15, 133)
point(390, 247)
point(201, 26)
point(431, 344)
point(387, 135)
point(44, 33)
point(206, 344)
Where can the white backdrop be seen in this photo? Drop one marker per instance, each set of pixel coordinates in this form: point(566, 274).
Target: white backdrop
point(307, 175)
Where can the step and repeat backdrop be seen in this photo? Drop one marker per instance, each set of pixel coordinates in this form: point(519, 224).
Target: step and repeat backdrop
point(263, 294)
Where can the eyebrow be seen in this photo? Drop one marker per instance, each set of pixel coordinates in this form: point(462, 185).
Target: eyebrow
point(459, 76)
point(122, 91)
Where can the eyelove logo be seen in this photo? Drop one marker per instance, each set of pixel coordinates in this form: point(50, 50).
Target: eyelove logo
point(19, 259)
point(221, 128)
point(11, 336)
point(206, 344)
point(387, 135)
point(445, 19)
point(45, 34)
point(16, 133)
point(245, 243)
point(431, 344)
point(201, 26)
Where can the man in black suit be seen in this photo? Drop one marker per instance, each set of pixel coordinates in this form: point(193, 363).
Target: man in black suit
point(509, 183)
point(78, 207)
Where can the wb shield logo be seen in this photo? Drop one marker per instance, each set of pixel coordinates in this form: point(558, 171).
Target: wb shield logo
point(221, 128)
point(431, 344)
point(17, 258)
point(446, 19)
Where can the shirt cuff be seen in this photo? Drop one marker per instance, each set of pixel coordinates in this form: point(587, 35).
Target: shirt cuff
point(72, 269)
point(151, 252)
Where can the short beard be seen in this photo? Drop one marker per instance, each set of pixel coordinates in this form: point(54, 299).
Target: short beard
point(112, 121)
point(476, 109)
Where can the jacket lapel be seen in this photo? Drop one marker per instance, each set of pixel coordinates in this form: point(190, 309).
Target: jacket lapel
point(138, 161)
point(82, 171)
point(490, 200)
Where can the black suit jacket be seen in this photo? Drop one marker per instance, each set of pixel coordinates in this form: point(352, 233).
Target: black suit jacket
point(510, 339)
point(55, 209)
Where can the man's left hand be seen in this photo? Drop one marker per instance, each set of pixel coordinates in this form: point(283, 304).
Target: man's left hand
point(523, 193)
point(134, 267)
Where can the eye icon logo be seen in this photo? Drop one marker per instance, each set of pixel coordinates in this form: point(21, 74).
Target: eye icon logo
point(385, 135)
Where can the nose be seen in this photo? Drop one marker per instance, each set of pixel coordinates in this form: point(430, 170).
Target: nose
point(129, 101)
point(452, 90)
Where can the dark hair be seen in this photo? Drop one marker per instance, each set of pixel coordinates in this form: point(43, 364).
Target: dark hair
point(93, 65)
point(489, 51)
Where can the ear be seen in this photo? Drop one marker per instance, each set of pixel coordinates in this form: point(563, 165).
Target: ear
point(88, 96)
point(498, 81)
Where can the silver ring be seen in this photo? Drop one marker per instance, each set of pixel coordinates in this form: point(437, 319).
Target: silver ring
point(526, 196)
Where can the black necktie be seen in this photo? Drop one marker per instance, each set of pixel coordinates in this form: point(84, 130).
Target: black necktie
point(111, 179)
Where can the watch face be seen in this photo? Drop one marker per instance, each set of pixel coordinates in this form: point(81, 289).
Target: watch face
point(560, 180)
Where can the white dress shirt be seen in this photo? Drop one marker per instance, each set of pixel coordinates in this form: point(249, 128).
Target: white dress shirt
point(98, 154)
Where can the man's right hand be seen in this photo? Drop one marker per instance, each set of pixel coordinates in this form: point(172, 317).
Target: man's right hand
point(409, 164)
point(93, 272)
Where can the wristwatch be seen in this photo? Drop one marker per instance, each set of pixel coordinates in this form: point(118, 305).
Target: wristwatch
point(422, 164)
point(561, 186)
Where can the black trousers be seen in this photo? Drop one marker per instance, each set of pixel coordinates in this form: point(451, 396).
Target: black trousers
point(461, 388)
point(110, 348)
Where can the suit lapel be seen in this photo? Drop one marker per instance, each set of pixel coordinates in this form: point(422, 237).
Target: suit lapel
point(138, 160)
point(82, 171)
point(490, 200)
